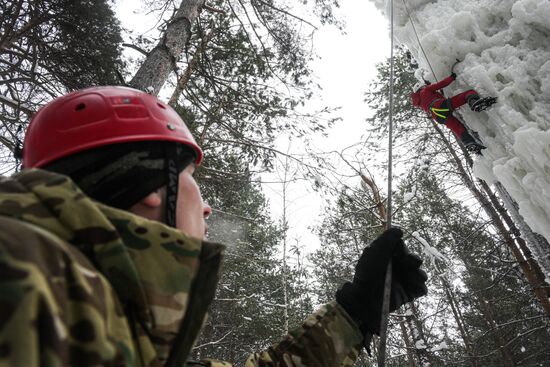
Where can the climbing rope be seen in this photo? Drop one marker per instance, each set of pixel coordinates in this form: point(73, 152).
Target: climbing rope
point(388, 280)
point(418, 39)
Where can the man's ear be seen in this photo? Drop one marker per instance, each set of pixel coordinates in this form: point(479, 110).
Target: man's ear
point(153, 200)
point(151, 206)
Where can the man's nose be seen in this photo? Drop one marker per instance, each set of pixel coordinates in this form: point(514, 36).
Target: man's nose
point(207, 211)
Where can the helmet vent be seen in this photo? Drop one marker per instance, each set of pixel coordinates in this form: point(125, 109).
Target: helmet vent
point(80, 107)
point(161, 106)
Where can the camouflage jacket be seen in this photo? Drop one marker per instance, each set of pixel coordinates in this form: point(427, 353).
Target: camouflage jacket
point(84, 284)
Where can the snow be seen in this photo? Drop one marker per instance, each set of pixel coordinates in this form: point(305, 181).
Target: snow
point(504, 50)
point(439, 347)
point(429, 251)
point(408, 196)
point(420, 344)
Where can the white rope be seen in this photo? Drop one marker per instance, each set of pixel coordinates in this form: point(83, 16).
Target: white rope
point(390, 128)
point(418, 39)
point(388, 279)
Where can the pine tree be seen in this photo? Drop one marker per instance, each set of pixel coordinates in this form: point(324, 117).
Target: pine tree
point(48, 47)
point(245, 78)
point(248, 311)
point(478, 309)
point(490, 288)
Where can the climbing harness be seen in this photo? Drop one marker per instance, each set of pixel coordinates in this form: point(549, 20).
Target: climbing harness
point(438, 112)
point(442, 111)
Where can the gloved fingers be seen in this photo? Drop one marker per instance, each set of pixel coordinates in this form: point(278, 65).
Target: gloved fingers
point(393, 241)
point(385, 245)
point(407, 262)
point(422, 275)
point(419, 291)
point(399, 296)
point(415, 283)
point(415, 276)
point(374, 261)
point(375, 258)
point(371, 266)
point(388, 239)
point(402, 293)
point(407, 270)
point(416, 291)
point(393, 233)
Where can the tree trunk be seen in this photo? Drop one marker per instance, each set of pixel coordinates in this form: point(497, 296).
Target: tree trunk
point(487, 311)
point(419, 339)
point(537, 244)
point(408, 346)
point(156, 68)
point(285, 235)
point(543, 288)
point(487, 204)
point(455, 308)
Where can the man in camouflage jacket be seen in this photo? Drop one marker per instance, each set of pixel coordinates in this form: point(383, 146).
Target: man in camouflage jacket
point(116, 272)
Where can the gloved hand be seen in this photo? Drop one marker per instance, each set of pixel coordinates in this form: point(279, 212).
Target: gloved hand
point(362, 299)
point(453, 75)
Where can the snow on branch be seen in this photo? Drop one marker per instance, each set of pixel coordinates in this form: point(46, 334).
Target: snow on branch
point(430, 251)
point(213, 342)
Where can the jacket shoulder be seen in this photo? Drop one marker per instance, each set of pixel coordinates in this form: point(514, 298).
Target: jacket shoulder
point(58, 301)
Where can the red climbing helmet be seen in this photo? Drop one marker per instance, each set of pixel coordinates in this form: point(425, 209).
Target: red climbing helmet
point(100, 116)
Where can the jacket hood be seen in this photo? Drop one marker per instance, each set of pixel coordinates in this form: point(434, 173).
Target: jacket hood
point(415, 97)
point(152, 267)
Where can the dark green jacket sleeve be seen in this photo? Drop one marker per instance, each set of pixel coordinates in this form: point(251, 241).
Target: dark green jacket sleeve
point(328, 338)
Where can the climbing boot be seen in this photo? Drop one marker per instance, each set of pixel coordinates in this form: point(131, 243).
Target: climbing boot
point(478, 104)
point(471, 144)
point(474, 147)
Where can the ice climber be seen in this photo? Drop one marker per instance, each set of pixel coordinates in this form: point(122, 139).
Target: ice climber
point(430, 99)
point(103, 254)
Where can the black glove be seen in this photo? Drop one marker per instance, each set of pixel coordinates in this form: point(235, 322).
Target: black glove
point(453, 75)
point(362, 299)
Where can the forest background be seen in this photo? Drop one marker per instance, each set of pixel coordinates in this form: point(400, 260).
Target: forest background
point(240, 72)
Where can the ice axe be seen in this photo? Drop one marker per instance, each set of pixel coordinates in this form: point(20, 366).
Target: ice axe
point(455, 63)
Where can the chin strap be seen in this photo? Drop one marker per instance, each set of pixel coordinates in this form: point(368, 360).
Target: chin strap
point(173, 151)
